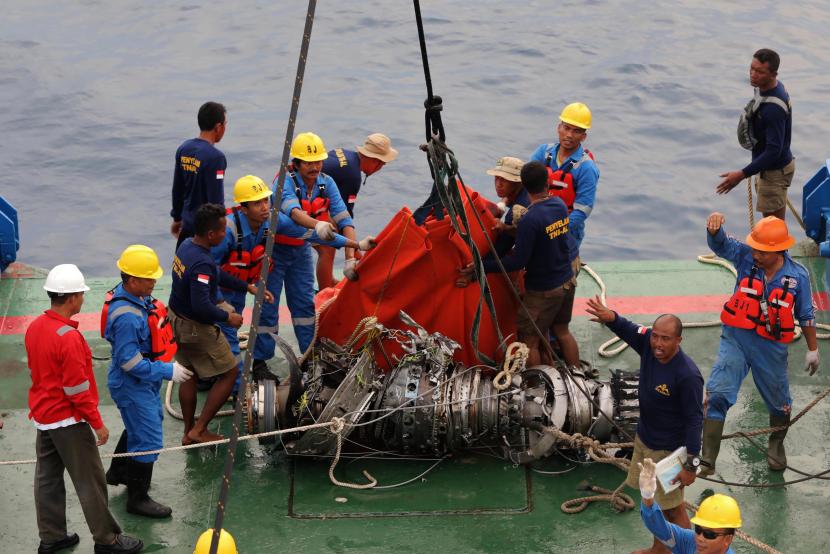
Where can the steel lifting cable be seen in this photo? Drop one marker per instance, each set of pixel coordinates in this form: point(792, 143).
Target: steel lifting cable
point(260, 294)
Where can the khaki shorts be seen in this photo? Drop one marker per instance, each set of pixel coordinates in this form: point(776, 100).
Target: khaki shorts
point(203, 347)
point(772, 188)
point(566, 310)
point(641, 452)
point(543, 307)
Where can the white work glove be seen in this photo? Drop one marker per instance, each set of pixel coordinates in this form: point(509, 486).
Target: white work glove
point(325, 230)
point(349, 269)
point(519, 212)
point(180, 373)
point(502, 207)
point(811, 362)
point(367, 244)
point(648, 478)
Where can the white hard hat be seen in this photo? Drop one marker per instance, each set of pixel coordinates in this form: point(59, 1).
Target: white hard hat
point(65, 278)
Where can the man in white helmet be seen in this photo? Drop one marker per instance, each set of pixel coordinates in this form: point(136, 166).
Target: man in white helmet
point(63, 405)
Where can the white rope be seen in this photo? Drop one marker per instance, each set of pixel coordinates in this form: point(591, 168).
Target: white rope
point(514, 362)
point(337, 428)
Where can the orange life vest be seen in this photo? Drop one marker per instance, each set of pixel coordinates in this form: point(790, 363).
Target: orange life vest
point(743, 310)
point(244, 264)
point(771, 317)
point(777, 321)
point(561, 181)
point(162, 342)
point(317, 208)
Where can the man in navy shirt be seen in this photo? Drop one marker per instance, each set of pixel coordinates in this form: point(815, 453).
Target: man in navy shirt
point(346, 167)
point(771, 127)
point(671, 402)
point(195, 311)
point(543, 248)
point(199, 174)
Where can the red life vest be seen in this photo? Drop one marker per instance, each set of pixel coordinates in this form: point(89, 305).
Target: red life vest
point(743, 310)
point(162, 342)
point(317, 208)
point(777, 321)
point(243, 264)
point(561, 181)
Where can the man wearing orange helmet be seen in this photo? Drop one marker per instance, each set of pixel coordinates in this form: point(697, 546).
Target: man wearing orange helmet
point(772, 292)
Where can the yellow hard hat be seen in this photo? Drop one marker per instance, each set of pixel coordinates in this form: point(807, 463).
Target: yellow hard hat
point(770, 235)
point(250, 188)
point(576, 114)
point(226, 543)
point(718, 512)
point(140, 261)
point(309, 148)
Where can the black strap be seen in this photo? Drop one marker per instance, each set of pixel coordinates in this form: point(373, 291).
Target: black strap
point(432, 105)
point(235, 212)
point(230, 457)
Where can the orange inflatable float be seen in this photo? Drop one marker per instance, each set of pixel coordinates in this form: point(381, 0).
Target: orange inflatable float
point(414, 269)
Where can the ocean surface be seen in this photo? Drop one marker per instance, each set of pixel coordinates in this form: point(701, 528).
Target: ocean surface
point(96, 96)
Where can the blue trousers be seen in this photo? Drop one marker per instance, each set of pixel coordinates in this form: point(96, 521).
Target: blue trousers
point(742, 350)
point(141, 411)
point(237, 300)
point(293, 268)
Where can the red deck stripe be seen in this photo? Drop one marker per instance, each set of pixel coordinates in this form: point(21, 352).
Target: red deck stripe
point(628, 305)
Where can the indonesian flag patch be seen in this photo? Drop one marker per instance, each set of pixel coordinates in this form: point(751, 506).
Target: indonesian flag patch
point(642, 330)
point(352, 199)
point(202, 278)
point(220, 174)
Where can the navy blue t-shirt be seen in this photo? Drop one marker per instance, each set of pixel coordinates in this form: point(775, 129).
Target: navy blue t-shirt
point(344, 167)
point(671, 394)
point(772, 126)
point(543, 246)
point(505, 241)
point(196, 280)
point(198, 178)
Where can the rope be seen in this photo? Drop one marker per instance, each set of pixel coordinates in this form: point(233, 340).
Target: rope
point(337, 429)
point(269, 245)
point(749, 205)
point(514, 362)
point(766, 430)
point(619, 501)
point(432, 105)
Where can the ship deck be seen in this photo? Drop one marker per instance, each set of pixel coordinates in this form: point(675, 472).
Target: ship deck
point(468, 503)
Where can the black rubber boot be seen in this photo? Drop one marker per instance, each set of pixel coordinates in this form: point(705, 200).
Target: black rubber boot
point(138, 501)
point(776, 455)
point(712, 433)
point(117, 473)
point(260, 371)
point(124, 544)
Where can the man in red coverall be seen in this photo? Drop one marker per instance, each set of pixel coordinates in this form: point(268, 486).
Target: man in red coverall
point(63, 405)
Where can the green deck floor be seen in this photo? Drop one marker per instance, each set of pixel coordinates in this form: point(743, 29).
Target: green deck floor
point(471, 503)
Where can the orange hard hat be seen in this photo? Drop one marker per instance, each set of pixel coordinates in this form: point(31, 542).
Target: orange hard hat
point(770, 235)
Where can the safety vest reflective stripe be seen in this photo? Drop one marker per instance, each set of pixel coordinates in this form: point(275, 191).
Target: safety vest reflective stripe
point(64, 329)
point(77, 389)
point(132, 362)
point(583, 208)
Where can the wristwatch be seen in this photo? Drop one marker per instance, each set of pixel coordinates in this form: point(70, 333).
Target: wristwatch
point(692, 463)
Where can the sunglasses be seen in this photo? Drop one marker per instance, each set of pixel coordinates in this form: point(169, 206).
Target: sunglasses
point(708, 534)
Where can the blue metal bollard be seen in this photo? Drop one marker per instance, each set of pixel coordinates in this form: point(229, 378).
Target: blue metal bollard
point(9, 234)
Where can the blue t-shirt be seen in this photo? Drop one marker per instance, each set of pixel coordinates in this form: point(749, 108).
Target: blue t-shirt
point(772, 126)
point(676, 538)
point(740, 255)
point(344, 167)
point(196, 282)
point(543, 246)
point(671, 394)
point(198, 178)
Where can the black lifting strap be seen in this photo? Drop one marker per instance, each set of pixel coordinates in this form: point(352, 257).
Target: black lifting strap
point(432, 105)
point(230, 457)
